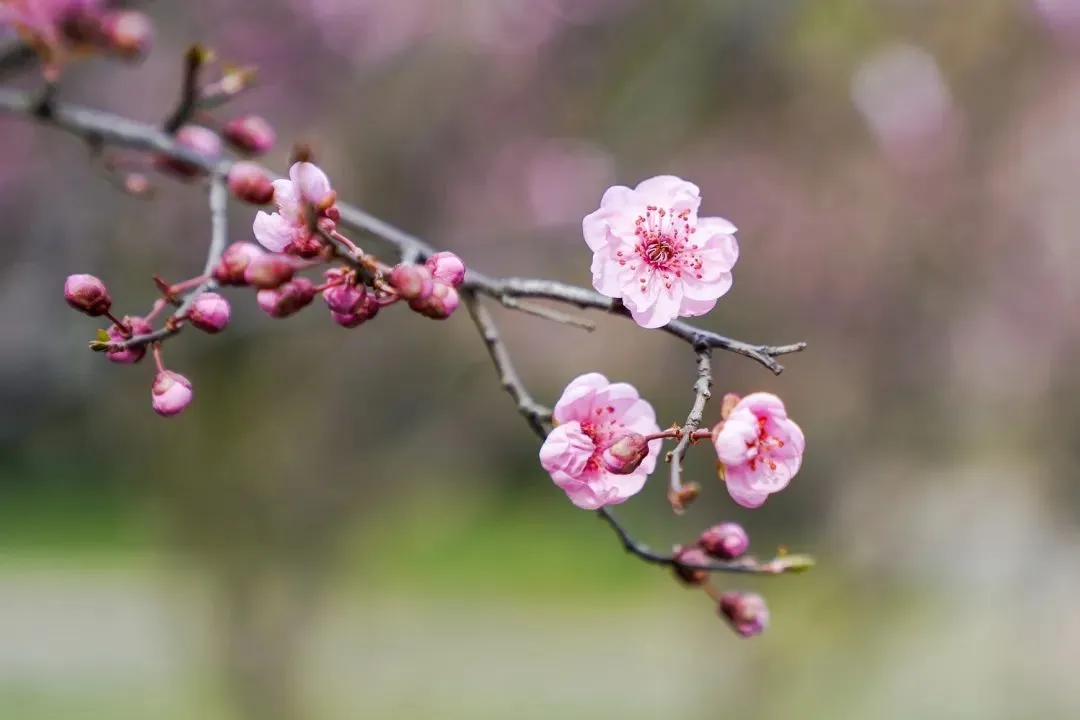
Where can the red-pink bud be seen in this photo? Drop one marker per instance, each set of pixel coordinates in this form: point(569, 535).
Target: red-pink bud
point(726, 541)
point(250, 134)
point(267, 271)
point(746, 612)
point(250, 183)
point(345, 297)
point(691, 555)
point(366, 310)
point(170, 394)
point(413, 282)
point(201, 141)
point(446, 267)
point(209, 312)
point(127, 34)
point(87, 294)
point(288, 299)
point(234, 262)
point(440, 305)
point(136, 326)
point(626, 453)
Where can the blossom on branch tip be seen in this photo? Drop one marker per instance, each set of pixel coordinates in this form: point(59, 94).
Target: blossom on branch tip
point(133, 326)
point(759, 449)
point(412, 282)
point(234, 262)
point(251, 134)
point(367, 309)
point(267, 271)
point(127, 34)
point(440, 304)
point(250, 183)
point(690, 555)
point(209, 312)
point(726, 541)
point(170, 394)
point(287, 299)
point(87, 294)
point(346, 296)
point(652, 251)
point(746, 613)
point(288, 229)
point(589, 418)
point(446, 267)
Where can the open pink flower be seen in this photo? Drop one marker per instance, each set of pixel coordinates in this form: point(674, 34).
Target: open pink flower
point(287, 229)
point(652, 250)
point(591, 415)
point(759, 447)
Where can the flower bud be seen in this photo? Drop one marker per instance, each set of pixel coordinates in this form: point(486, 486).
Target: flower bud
point(234, 262)
point(345, 297)
point(267, 271)
point(440, 305)
point(201, 141)
point(726, 541)
point(446, 267)
point(626, 453)
point(127, 34)
point(249, 183)
point(366, 310)
point(287, 299)
point(413, 282)
point(87, 294)
point(250, 134)
point(691, 555)
point(745, 612)
point(127, 356)
point(170, 394)
point(209, 312)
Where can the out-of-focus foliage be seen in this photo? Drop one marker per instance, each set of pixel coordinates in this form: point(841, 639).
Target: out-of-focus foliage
point(354, 523)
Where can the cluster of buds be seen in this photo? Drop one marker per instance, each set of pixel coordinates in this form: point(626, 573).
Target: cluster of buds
point(60, 29)
point(355, 286)
point(745, 612)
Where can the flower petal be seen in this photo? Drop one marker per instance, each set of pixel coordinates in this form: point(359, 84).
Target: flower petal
point(272, 231)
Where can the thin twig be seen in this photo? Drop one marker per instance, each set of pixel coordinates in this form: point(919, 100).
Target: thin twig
point(548, 313)
point(702, 393)
point(189, 90)
point(534, 413)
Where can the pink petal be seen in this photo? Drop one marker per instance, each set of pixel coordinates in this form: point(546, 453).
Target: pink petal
point(272, 231)
point(285, 196)
point(695, 308)
point(763, 404)
point(738, 490)
point(585, 498)
point(595, 229)
point(576, 400)
point(606, 272)
point(657, 306)
point(670, 192)
point(718, 253)
point(623, 487)
point(566, 450)
point(731, 442)
point(312, 182)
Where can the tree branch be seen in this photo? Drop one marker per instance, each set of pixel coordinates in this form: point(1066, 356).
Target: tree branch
point(702, 393)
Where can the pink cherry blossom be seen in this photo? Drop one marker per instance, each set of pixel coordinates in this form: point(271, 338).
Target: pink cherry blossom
point(651, 250)
point(591, 415)
point(288, 226)
point(759, 447)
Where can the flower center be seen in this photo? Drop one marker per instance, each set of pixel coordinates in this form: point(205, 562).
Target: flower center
point(761, 448)
point(663, 243)
point(601, 429)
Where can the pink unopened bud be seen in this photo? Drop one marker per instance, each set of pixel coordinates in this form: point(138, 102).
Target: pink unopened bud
point(87, 294)
point(691, 555)
point(250, 134)
point(367, 309)
point(136, 326)
point(288, 299)
point(170, 394)
point(746, 612)
point(725, 541)
point(626, 453)
point(345, 297)
point(440, 305)
point(201, 141)
point(267, 271)
point(234, 262)
point(209, 312)
point(250, 183)
point(446, 267)
point(413, 282)
point(127, 34)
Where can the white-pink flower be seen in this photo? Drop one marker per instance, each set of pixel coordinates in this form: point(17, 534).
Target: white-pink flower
point(759, 447)
point(288, 226)
point(652, 250)
point(590, 416)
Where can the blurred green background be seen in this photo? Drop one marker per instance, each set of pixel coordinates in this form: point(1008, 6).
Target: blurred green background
point(354, 524)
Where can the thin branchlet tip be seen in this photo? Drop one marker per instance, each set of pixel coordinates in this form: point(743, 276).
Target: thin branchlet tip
point(302, 153)
point(197, 55)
